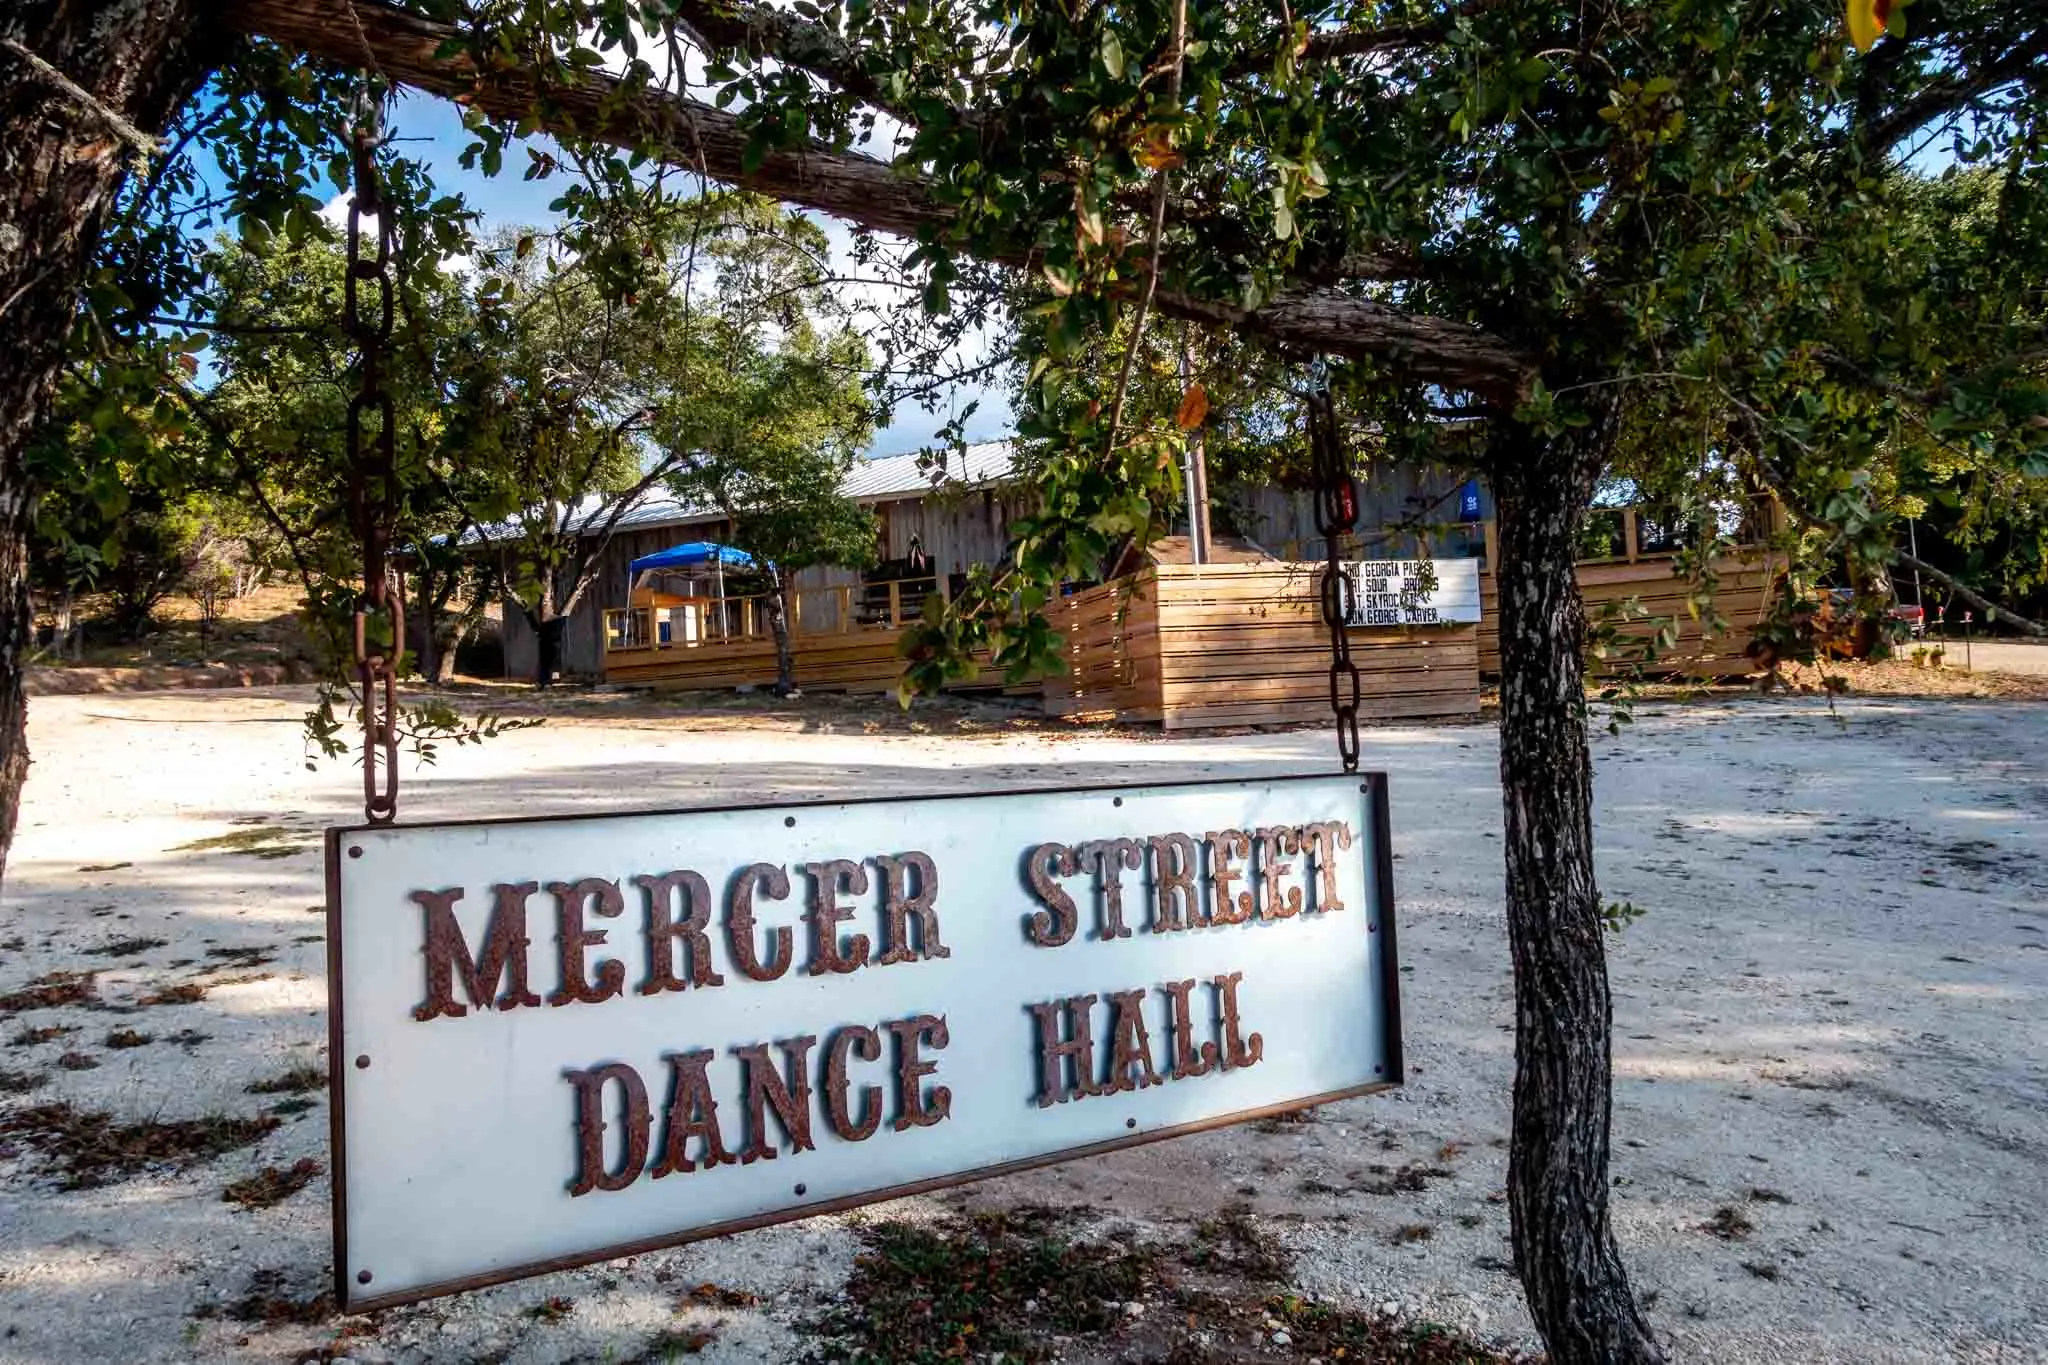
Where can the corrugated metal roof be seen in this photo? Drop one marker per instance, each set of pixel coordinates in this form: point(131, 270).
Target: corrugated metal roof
point(870, 480)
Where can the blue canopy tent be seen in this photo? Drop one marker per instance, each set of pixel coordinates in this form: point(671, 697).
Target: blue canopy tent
point(698, 554)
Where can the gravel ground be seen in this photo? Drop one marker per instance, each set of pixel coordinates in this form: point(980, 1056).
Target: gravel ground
point(1831, 1109)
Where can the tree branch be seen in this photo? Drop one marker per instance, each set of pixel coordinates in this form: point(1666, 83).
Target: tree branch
point(1993, 613)
point(846, 185)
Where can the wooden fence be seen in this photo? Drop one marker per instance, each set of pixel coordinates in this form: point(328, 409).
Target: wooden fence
point(1193, 646)
point(1640, 591)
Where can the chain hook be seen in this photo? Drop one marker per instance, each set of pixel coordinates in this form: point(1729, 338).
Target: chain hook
point(375, 512)
point(1336, 514)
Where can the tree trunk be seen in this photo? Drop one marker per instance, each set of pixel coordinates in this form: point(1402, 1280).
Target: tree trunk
point(548, 631)
point(60, 169)
point(777, 601)
point(1577, 1289)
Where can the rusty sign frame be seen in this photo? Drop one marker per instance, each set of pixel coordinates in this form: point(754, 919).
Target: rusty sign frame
point(1379, 876)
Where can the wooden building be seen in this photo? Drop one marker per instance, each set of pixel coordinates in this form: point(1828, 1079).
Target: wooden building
point(956, 520)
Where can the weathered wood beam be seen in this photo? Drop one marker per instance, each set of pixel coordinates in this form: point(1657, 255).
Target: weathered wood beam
point(408, 49)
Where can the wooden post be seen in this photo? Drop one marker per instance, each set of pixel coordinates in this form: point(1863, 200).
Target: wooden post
point(845, 610)
point(1491, 529)
point(895, 604)
point(1628, 533)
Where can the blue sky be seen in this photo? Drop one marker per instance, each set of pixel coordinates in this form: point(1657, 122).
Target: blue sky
point(430, 130)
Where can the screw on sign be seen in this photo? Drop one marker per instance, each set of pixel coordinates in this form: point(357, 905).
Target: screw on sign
point(374, 507)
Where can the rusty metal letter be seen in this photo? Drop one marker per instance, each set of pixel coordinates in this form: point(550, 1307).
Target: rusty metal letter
point(591, 1173)
point(692, 1112)
point(1323, 838)
point(670, 933)
point(571, 938)
point(448, 956)
point(1176, 904)
point(773, 883)
point(1225, 907)
point(1054, 925)
point(1131, 1044)
point(1238, 1051)
point(828, 879)
point(915, 1108)
point(1277, 900)
point(1055, 1051)
point(899, 907)
point(1111, 857)
point(838, 1102)
point(1188, 1059)
point(766, 1088)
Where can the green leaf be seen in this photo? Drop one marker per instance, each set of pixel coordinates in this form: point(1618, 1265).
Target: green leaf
point(1112, 55)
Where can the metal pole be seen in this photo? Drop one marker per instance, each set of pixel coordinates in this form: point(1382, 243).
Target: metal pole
point(1196, 477)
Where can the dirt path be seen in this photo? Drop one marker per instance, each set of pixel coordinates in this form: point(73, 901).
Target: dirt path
point(1831, 1115)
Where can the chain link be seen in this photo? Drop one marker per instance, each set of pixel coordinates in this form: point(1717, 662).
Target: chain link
point(373, 481)
point(1336, 514)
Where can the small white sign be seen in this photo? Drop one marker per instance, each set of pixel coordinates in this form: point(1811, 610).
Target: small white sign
point(560, 1040)
point(1398, 592)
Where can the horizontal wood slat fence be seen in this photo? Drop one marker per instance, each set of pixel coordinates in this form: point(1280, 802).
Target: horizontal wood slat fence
point(1196, 646)
point(1741, 597)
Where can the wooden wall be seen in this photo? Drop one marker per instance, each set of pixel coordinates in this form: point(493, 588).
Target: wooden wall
point(957, 530)
point(1243, 644)
point(1283, 520)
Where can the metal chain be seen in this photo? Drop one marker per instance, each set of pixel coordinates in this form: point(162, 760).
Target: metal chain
point(373, 482)
point(1336, 514)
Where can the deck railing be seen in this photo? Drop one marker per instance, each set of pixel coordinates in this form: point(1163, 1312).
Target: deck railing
point(841, 609)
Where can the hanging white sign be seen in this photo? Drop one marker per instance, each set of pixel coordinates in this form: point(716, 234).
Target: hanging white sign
point(1414, 592)
point(560, 1040)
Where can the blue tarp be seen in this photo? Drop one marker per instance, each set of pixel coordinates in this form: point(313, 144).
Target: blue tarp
point(693, 555)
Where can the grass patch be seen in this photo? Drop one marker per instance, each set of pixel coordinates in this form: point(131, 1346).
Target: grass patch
point(128, 1037)
point(1012, 1287)
point(1413, 1178)
point(78, 1061)
point(552, 1309)
point(243, 957)
point(1728, 1224)
point(670, 1346)
point(88, 1148)
point(1321, 1331)
point(1230, 1243)
point(994, 1282)
point(272, 1184)
point(267, 1303)
point(30, 1037)
point(53, 991)
point(127, 947)
point(297, 1081)
point(21, 1082)
point(185, 993)
point(254, 842)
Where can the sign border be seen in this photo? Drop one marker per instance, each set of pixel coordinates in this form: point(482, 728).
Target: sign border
point(1381, 875)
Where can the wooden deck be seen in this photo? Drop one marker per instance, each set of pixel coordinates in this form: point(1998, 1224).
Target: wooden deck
point(838, 642)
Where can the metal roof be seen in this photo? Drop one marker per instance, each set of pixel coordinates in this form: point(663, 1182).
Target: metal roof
point(880, 479)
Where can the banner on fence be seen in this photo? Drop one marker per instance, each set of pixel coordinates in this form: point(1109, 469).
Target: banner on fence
point(559, 1040)
point(1414, 592)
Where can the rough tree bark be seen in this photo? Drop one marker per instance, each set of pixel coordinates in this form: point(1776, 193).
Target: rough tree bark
point(69, 111)
point(1571, 1270)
